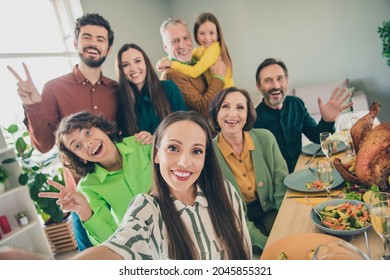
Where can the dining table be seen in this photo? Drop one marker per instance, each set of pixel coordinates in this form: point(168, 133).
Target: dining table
point(294, 218)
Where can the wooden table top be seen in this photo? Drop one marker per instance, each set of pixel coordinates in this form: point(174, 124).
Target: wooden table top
point(294, 218)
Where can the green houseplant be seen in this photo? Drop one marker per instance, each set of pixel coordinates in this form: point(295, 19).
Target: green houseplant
point(36, 170)
point(3, 174)
point(384, 34)
point(3, 178)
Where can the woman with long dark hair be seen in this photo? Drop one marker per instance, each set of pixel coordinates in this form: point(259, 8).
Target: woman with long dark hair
point(144, 100)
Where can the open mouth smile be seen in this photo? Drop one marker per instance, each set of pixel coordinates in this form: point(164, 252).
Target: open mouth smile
point(97, 149)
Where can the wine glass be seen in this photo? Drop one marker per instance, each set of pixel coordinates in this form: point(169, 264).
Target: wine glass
point(379, 208)
point(345, 127)
point(327, 144)
point(325, 174)
point(338, 250)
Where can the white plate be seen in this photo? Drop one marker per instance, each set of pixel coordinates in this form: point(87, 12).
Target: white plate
point(298, 179)
point(312, 148)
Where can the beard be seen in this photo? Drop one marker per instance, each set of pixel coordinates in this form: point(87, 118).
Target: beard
point(272, 101)
point(93, 63)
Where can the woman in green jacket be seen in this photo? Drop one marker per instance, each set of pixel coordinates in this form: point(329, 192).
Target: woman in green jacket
point(250, 159)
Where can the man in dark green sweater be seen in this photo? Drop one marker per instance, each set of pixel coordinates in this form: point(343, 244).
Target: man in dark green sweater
point(286, 116)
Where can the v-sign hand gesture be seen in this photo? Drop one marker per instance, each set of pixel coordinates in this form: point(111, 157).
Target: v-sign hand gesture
point(26, 89)
point(69, 200)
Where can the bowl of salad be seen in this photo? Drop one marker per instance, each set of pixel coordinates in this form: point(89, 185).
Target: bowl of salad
point(342, 217)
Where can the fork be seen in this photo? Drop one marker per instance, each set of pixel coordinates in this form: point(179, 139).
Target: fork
point(315, 210)
point(307, 164)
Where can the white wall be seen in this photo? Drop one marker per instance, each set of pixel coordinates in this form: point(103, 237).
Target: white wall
point(320, 41)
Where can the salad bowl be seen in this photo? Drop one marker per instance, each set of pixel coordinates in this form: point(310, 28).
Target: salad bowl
point(342, 217)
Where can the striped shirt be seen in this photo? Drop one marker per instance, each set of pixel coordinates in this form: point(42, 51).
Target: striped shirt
point(142, 234)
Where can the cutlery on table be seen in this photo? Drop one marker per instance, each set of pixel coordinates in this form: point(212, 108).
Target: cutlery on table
point(315, 210)
point(367, 245)
point(311, 159)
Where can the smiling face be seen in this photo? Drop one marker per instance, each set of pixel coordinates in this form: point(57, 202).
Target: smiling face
point(178, 42)
point(233, 113)
point(91, 144)
point(273, 85)
point(207, 34)
point(92, 45)
point(134, 67)
point(181, 155)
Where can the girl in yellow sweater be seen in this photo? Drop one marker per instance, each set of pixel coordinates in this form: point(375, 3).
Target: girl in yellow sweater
point(209, 36)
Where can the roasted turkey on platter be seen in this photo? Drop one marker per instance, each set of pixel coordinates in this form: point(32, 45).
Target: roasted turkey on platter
point(372, 147)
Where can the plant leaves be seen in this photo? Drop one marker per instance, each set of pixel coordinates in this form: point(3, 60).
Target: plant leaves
point(13, 128)
point(9, 160)
point(20, 146)
point(23, 179)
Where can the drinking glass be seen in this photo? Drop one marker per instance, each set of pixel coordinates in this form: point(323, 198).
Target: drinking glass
point(345, 127)
point(328, 146)
point(379, 208)
point(325, 174)
point(338, 250)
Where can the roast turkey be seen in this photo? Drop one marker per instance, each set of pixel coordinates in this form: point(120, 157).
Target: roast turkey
point(372, 148)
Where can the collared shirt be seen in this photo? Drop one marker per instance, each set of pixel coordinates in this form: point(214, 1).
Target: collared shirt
point(66, 95)
point(143, 220)
point(147, 118)
point(241, 166)
point(110, 192)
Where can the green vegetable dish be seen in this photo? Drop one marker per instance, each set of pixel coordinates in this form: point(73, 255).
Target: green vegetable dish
point(345, 216)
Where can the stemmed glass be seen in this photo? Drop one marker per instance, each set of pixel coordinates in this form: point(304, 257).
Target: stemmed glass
point(327, 145)
point(325, 174)
point(345, 127)
point(379, 208)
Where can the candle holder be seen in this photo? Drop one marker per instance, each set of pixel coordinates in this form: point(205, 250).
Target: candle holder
point(4, 224)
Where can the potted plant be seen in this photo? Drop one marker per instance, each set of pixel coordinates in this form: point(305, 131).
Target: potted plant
point(36, 170)
point(384, 34)
point(3, 178)
point(22, 218)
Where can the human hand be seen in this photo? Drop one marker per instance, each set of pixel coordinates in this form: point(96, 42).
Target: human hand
point(13, 253)
point(331, 110)
point(69, 200)
point(26, 88)
point(70, 180)
point(163, 64)
point(144, 137)
point(219, 68)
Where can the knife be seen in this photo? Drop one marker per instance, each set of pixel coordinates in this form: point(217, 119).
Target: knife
point(315, 154)
point(314, 196)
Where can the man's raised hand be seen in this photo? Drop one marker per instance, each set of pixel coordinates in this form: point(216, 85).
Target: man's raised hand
point(26, 89)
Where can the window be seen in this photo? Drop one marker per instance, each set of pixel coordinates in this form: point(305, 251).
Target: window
point(43, 40)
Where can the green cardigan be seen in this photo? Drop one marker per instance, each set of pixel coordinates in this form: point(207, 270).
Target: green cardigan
point(270, 170)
